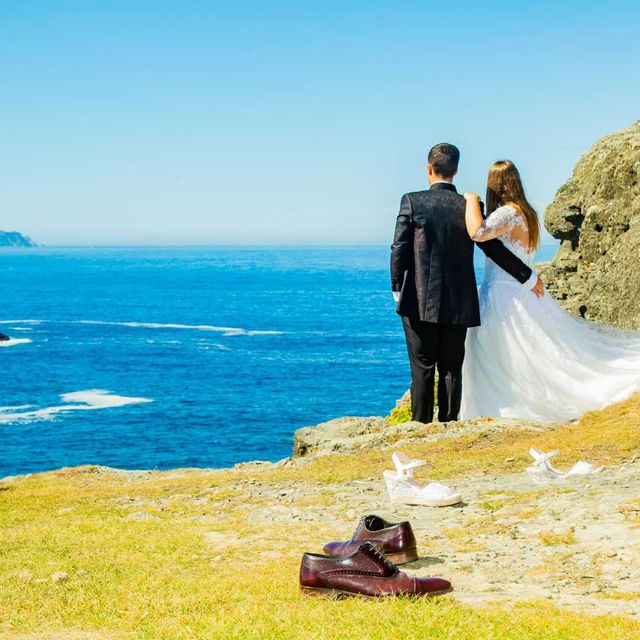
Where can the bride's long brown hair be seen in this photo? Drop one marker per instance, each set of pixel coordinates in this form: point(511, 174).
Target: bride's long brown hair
point(504, 185)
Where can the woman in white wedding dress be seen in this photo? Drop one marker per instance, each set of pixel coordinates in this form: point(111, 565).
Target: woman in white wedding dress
point(530, 358)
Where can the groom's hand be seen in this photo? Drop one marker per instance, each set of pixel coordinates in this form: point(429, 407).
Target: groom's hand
point(538, 288)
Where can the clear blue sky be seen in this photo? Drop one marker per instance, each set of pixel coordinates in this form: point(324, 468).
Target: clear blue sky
point(288, 122)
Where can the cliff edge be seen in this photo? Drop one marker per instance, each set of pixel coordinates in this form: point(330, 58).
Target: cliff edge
point(92, 553)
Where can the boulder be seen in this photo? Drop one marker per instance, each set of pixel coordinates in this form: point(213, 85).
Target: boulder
point(596, 216)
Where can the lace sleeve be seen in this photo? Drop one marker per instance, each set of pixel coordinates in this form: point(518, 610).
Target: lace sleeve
point(497, 223)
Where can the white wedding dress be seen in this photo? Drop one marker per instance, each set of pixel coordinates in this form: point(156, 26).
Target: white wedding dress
point(532, 359)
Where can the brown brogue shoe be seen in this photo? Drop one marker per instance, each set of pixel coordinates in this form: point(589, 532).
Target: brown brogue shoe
point(366, 572)
point(396, 541)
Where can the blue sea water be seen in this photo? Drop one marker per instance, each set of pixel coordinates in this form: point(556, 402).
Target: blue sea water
point(211, 356)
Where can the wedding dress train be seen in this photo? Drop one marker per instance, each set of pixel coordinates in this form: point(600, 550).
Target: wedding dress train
point(532, 359)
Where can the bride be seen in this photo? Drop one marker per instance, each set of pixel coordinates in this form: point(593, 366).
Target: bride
point(530, 358)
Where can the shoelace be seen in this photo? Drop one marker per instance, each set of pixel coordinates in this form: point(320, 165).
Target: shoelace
point(377, 555)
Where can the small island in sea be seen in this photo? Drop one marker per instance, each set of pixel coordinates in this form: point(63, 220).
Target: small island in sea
point(15, 239)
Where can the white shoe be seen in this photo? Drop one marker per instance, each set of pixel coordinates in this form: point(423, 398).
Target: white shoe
point(544, 472)
point(403, 489)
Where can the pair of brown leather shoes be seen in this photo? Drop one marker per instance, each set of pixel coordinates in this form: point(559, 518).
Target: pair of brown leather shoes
point(365, 565)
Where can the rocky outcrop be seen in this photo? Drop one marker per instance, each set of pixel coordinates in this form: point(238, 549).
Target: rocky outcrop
point(15, 239)
point(336, 435)
point(352, 434)
point(596, 216)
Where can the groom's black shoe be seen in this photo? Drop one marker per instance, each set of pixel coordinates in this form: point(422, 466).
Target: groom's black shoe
point(396, 541)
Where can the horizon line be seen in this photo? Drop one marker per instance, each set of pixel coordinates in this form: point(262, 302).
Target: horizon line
point(91, 245)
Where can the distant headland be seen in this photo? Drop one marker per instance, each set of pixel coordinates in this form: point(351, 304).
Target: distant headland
point(15, 239)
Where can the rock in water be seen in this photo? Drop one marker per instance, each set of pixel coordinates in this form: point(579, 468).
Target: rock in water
point(4, 337)
point(596, 216)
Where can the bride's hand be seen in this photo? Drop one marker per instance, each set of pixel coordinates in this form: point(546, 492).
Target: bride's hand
point(471, 196)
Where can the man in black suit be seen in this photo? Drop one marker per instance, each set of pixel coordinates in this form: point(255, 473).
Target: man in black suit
point(434, 284)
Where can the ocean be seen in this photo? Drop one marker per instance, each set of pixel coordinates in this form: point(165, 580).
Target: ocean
point(157, 358)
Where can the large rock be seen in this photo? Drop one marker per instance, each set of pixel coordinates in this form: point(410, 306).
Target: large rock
point(596, 216)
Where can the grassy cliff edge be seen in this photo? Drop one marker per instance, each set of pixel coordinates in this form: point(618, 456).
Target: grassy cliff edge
point(91, 552)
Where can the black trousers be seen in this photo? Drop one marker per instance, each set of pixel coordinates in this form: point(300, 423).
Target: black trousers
point(433, 345)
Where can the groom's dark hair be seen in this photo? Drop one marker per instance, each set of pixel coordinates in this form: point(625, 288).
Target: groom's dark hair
point(444, 159)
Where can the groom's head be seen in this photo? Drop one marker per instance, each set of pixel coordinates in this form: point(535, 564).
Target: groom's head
point(442, 162)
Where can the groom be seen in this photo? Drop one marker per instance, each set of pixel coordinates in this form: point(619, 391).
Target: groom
point(434, 284)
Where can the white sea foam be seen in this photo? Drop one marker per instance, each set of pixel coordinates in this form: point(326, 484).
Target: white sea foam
point(88, 400)
point(225, 331)
point(21, 329)
point(100, 399)
point(12, 342)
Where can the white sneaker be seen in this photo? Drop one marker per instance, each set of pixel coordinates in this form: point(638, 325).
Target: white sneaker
point(403, 489)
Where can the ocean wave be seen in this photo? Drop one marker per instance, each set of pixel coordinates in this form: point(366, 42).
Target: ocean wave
point(225, 331)
point(88, 400)
point(12, 342)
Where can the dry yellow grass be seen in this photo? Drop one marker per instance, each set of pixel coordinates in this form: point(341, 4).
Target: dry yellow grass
point(552, 538)
point(609, 436)
point(620, 595)
point(176, 555)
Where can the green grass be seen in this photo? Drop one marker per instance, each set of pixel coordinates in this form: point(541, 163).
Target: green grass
point(401, 414)
point(163, 577)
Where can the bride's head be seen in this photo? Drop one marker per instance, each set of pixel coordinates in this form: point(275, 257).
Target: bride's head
point(504, 186)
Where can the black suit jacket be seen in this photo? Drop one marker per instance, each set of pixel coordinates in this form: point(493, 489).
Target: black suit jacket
point(432, 259)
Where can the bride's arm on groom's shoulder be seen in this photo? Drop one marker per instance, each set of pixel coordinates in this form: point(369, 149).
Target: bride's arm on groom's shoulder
point(473, 214)
point(402, 247)
point(481, 229)
point(485, 231)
